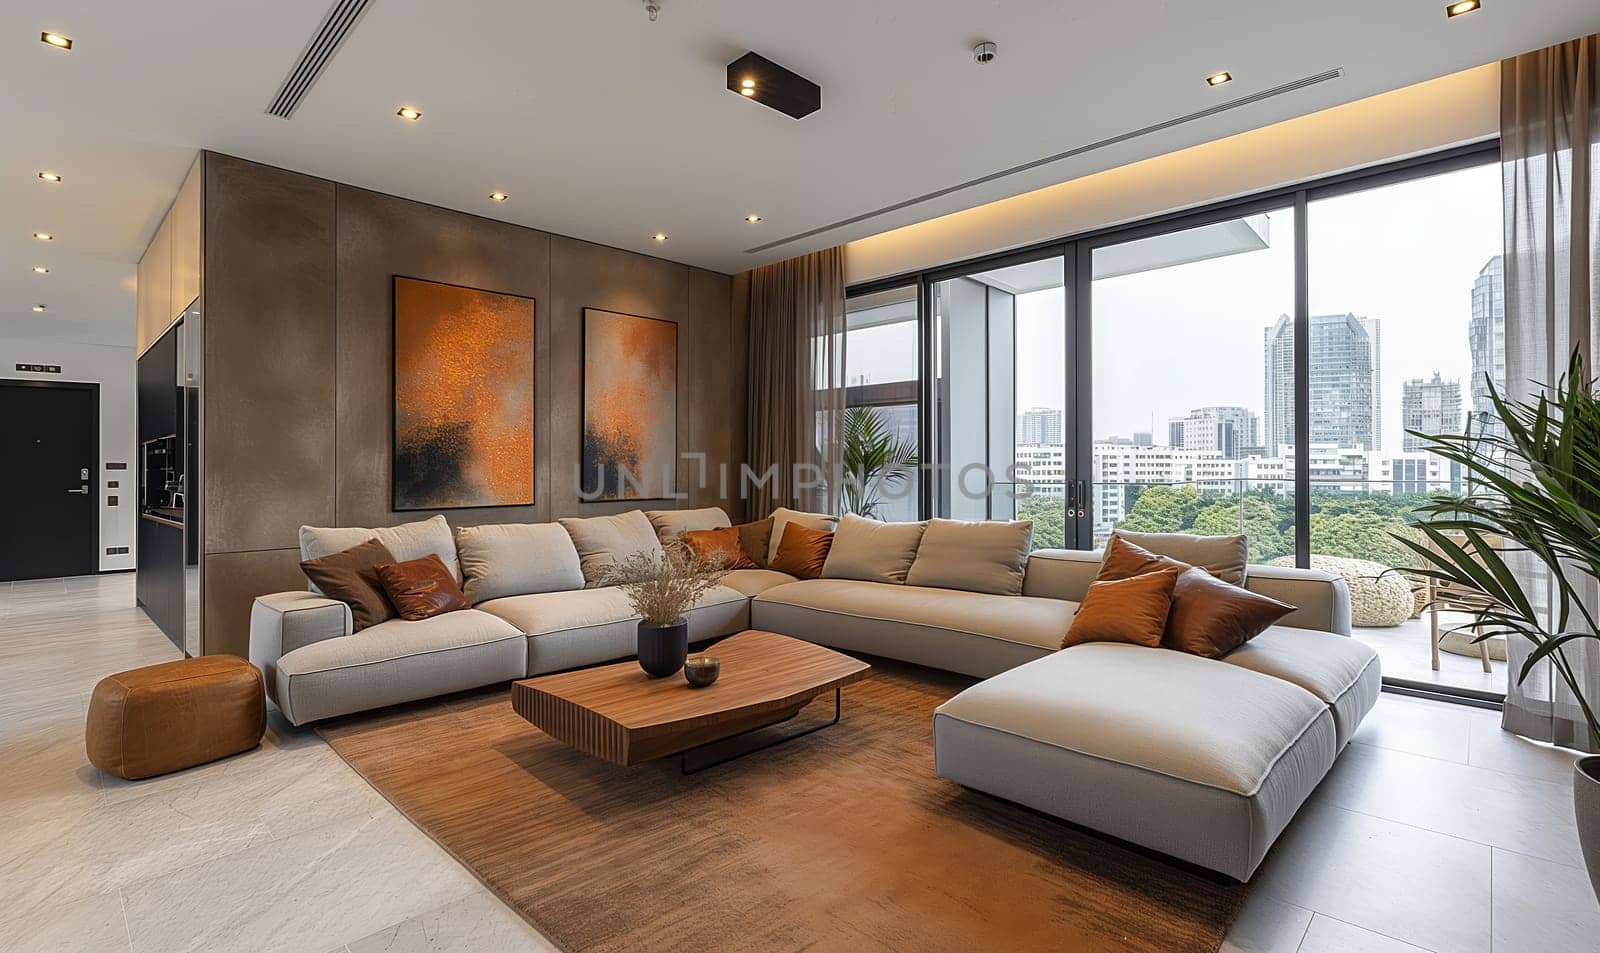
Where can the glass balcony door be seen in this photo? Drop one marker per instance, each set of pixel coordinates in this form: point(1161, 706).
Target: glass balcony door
point(1191, 382)
point(1001, 423)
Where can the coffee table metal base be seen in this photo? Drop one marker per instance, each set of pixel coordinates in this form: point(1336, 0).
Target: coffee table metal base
point(683, 757)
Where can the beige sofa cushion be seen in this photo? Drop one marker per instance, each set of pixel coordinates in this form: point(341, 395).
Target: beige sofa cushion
point(782, 517)
point(513, 559)
point(604, 540)
point(978, 557)
point(670, 523)
point(872, 551)
point(1343, 673)
point(753, 582)
point(429, 537)
point(1222, 556)
point(398, 661)
point(1039, 623)
point(1182, 716)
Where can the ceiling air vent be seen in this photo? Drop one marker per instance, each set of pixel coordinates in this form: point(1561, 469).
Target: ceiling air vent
point(1209, 111)
point(341, 18)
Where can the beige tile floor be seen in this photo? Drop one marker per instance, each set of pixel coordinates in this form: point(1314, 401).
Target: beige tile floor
point(1435, 832)
point(1405, 654)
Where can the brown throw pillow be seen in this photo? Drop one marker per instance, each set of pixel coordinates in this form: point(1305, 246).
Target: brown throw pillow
point(421, 588)
point(803, 551)
point(1211, 618)
point(1123, 560)
point(756, 540)
point(1124, 610)
point(351, 577)
point(720, 546)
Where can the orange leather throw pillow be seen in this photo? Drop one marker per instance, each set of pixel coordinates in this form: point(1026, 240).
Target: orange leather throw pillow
point(421, 588)
point(719, 546)
point(1208, 617)
point(802, 551)
point(1124, 610)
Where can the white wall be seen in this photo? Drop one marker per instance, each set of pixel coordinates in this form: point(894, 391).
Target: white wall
point(113, 369)
point(1452, 110)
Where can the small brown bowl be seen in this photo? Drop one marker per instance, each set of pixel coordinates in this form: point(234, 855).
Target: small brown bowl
point(701, 670)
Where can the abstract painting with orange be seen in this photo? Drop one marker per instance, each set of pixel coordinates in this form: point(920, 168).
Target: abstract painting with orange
point(630, 406)
point(463, 397)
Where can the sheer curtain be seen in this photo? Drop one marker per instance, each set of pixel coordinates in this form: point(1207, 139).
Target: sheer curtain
point(1550, 156)
point(797, 385)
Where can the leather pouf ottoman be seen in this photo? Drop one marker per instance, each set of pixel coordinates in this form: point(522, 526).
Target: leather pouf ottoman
point(175, 715)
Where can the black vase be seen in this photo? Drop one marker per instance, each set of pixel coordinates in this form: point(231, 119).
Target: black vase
point(662, 648)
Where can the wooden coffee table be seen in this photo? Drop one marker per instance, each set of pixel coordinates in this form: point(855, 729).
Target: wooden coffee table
point(621, 715)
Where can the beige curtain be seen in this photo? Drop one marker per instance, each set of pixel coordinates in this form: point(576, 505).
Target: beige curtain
point(1550, 162)
point(797, 385)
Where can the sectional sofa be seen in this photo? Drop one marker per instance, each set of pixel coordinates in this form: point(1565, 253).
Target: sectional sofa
point(1206, 760)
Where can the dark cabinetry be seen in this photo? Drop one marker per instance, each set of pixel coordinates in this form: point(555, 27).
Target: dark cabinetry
point(160, 582)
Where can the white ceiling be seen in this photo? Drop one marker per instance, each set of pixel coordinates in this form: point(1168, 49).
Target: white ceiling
point(608, 127)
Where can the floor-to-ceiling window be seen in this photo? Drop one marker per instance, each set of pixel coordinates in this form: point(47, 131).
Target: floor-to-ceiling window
point(999, 395)
point(1252, 367)
point(1192, 388)
point(1407, 325)
point(882, 398)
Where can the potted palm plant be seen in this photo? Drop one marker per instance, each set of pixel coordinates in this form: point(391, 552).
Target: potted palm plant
point(875, 461)
point(1536, 488)
point(662, 586)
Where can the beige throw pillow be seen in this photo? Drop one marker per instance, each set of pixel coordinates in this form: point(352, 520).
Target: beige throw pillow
point(1222, 556)
point(408, 541)
point(782, 517)
point(603, 540)
point(670, 523)
point(872, 551)
point(975, 556)
point(517, 559)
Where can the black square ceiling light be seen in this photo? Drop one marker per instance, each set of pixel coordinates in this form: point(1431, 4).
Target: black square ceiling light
point(753, 76)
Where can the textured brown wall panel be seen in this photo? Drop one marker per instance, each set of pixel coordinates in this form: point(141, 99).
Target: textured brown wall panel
point(714, 364)
point(269, 420)
point(381, 236)
point(231, 583)
point(584, 275)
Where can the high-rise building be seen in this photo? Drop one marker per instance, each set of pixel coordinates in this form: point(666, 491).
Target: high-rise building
point(1486, 337)
point(1041, 426)
point(1346, 383)
point(1228, 430)
point(1433, 407)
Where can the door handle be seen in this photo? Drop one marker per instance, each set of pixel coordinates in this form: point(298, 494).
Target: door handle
point(82, 489)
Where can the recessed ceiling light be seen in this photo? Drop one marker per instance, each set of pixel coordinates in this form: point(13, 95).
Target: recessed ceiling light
point(56, 40)
point(752, 218)
point(50, 176)
point(406, 112)
point(748, 84)
point(659, 236)
point(499, 196)
point(40, 270)
point(1460, 7)
point(43, 236)
point(1217, 79)
point(38, 308)
point(747, 91)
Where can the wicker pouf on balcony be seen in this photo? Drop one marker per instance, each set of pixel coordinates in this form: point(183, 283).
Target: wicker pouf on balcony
point(175, 715)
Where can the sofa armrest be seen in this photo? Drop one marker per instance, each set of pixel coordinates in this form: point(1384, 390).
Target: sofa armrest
point(1061, 573)
point(1322, 599)
point(285, 621)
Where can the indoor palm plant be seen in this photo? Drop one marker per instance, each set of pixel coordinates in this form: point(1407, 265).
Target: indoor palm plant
point(1537, 488)
point(662, 585)
point(875, 462)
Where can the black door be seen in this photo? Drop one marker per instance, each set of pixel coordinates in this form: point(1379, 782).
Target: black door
point(49, 479)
